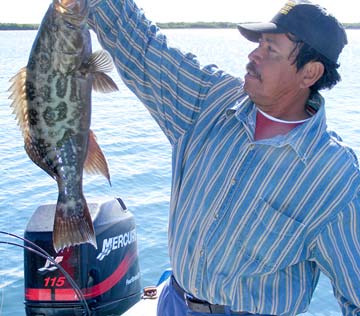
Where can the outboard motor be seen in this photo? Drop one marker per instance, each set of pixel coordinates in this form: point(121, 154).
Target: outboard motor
point(109, 277)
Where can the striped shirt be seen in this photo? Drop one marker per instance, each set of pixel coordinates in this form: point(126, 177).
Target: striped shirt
point(251, 223)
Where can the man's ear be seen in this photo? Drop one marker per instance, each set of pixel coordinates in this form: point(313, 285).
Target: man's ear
point(312, 72)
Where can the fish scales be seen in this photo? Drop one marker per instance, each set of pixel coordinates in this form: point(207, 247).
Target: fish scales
point(52, 102)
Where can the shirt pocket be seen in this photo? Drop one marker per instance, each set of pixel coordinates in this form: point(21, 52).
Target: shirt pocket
point(270, 241)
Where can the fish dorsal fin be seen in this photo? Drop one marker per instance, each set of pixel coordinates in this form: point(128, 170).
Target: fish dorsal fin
point(99, 63)
point(95, 161)
point(20, 109)
point(19, 104)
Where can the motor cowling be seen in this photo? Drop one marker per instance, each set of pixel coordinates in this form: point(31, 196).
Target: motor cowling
point(109, 277)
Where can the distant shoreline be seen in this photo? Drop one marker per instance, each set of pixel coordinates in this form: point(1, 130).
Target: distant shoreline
point(167, 25)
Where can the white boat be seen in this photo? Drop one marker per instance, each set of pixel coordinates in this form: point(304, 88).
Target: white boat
point(148, 304)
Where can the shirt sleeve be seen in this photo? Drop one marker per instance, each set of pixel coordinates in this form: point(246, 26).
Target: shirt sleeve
point(170, 83)
point(338, 255)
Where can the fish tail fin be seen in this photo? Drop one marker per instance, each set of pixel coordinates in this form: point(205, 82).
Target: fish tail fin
point(74, 229)
point(95, 161)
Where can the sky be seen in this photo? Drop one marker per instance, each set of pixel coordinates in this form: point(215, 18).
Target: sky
point(32, 11)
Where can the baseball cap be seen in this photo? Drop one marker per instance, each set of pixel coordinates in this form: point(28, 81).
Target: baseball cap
point(307, 21)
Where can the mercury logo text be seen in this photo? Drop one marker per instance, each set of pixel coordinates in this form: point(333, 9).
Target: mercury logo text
point(113, 243)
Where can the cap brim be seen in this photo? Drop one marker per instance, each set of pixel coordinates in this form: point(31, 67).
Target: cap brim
point(253, 31)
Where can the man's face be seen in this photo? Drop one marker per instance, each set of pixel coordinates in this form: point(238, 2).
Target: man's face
point(271, 72)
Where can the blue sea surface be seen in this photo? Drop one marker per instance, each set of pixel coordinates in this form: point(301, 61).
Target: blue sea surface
point(138, 154)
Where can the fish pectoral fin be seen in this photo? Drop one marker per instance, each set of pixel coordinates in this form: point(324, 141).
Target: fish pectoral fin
point(19, 104)
point(73, 229)
point(103, 83)
point(95, 161)
point(99, 63)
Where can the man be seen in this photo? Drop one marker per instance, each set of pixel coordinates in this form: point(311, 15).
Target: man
point(263, 196)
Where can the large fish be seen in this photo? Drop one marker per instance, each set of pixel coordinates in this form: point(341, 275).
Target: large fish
point(52, 102)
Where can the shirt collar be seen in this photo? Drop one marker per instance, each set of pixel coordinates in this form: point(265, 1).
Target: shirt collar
point(302, 139)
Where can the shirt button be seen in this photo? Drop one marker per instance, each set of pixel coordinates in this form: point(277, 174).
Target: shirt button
point(201, 253)
point(216, 215)
point(233, 181)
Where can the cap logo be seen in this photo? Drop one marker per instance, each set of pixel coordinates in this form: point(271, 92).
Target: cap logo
point(287, 7)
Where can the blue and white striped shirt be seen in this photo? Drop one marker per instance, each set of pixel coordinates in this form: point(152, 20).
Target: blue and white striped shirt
point(252, 223)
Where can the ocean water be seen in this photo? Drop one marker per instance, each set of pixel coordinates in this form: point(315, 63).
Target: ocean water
point(138, 154)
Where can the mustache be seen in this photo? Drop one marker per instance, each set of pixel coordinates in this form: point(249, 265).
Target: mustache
point(251, 68)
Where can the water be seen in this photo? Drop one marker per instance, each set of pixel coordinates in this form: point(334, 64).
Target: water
point(138, 155)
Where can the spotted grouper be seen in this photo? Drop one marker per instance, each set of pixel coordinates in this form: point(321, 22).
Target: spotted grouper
point(52, 103)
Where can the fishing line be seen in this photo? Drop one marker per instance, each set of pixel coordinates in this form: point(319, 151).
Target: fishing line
point(44, 254)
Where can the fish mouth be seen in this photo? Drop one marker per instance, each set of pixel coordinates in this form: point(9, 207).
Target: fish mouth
point(252, 71)
point(73, 11)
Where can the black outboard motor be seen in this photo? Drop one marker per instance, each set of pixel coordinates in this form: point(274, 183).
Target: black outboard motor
point(109, 277)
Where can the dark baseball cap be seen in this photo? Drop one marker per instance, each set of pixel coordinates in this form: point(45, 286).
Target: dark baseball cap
point(309, 22)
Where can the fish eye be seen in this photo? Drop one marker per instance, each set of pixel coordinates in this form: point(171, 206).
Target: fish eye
point(69, 25)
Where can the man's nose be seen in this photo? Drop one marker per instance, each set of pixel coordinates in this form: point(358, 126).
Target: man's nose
point(256, 55)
